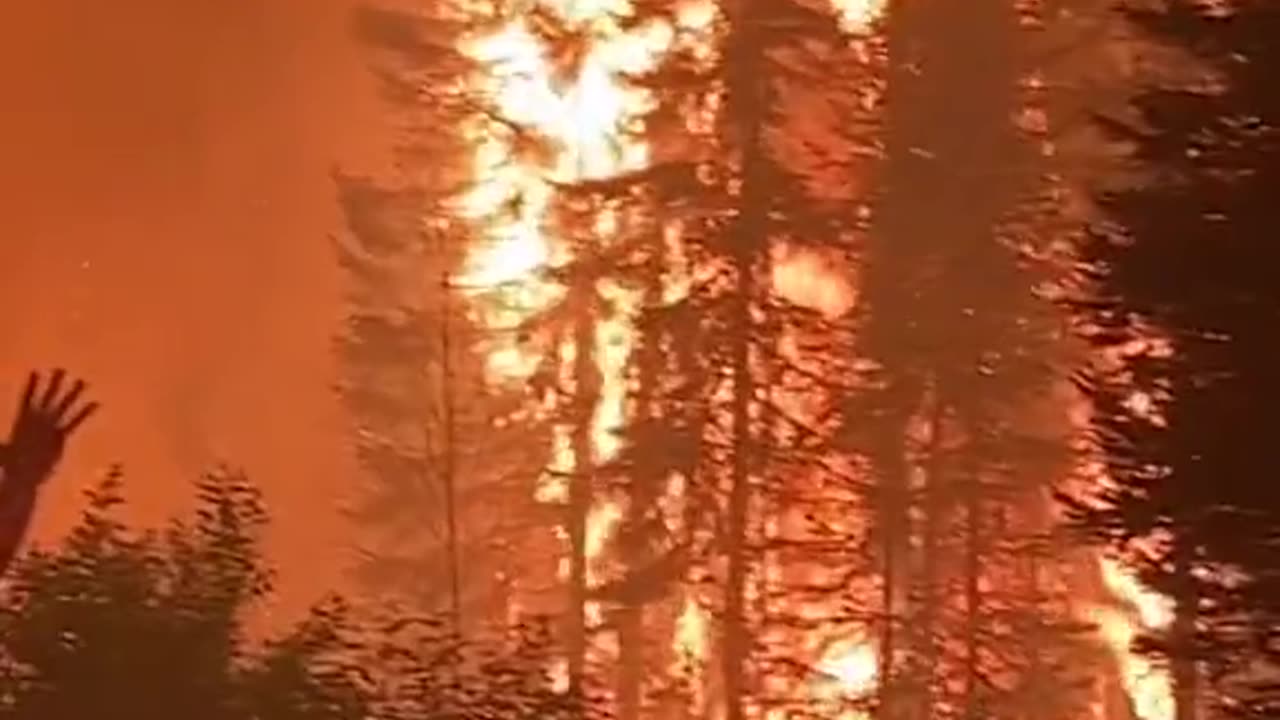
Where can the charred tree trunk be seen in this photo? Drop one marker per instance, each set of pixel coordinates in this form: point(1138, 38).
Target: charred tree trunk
point(449, 455)
point(746, 115)
point(894, 526)
point(894, 298)
point(954, 167)
point(972, 701)
point(636, 537)
point(736, 631)
point(449, 464)
point(586, 394)
point(1183, 661)
point(931, 562)
point(630, 620)
point(894, 530)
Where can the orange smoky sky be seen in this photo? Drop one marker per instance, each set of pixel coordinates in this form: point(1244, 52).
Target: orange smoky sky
point(165, 207)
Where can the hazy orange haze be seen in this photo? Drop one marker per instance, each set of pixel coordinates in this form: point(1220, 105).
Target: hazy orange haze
point(164, 205)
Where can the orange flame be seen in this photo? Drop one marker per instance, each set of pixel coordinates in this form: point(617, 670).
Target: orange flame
point(585, 122)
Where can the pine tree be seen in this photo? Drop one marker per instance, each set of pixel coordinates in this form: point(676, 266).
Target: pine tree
point(1179, 277)
point(962, 442)
point(119, 623)
point(589, 232)
point(441, 442)
point(737, 188)
point(724, 196)
point(123, 622)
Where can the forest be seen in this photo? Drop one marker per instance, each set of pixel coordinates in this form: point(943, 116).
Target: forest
point(761, 360)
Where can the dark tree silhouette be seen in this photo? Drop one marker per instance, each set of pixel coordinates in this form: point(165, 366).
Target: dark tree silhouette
point(1184, 280)
point(116, 623)
point(44, 421)
point(961, 428)
point(120, 623)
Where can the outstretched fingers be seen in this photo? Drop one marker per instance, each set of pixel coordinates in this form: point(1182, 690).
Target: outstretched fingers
point(64, 405)
point(51, 406)
point(51, 392)
point(78, 419)
point(24, 406)
point(57, 408)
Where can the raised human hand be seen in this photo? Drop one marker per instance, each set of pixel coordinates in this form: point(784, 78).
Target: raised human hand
point(41, 428)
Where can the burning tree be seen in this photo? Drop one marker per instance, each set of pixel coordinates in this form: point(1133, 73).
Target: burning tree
point(659, 212)
point(442, 445)
point(1177, 294)
point(966, 432)
point(753, 361)
point(691, 236)
point(644, 241)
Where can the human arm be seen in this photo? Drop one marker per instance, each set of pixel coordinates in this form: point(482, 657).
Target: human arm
point(40, 430)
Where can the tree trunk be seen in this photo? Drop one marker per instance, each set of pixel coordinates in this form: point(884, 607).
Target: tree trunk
point(891, 336)
point(933, 509)
point(894, 527)
point(745, 108)
point(647, 485)
point(954, 167)
point(972, 701)
point(736, 633)
point(1183, 663)
point(630, 621)
point(449, 469)
point(586, 393)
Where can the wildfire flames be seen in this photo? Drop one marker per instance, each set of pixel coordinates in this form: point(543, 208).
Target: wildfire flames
point(586, 117)
point(1149, 687)
point(857, 15)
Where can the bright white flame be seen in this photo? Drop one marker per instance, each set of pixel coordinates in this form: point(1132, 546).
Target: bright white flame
point(851, 666)
point(856, 16)
point(1155, 610)
point(588, 122)
point(1149, 687)
point(847, 671)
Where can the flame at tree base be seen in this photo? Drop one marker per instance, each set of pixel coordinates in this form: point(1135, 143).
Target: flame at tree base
point(1149, 687)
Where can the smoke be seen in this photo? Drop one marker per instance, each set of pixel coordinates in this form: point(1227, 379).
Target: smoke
point(165, 200)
